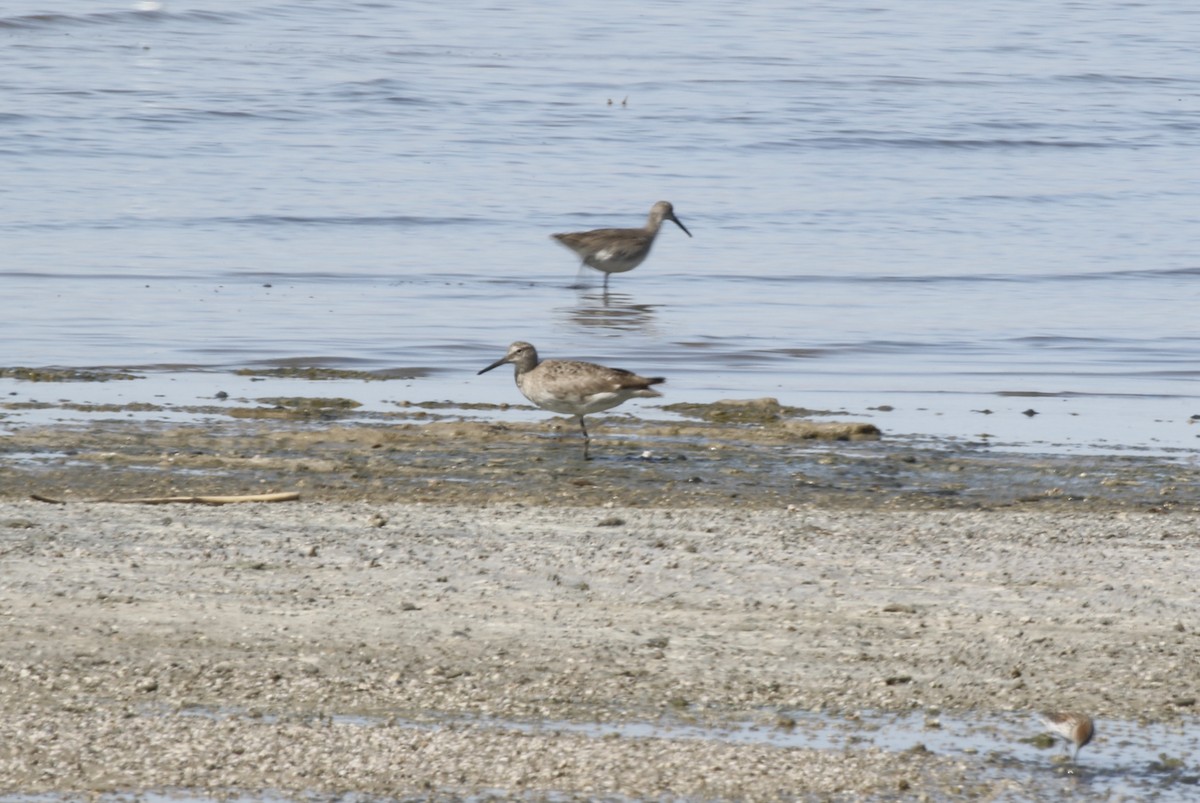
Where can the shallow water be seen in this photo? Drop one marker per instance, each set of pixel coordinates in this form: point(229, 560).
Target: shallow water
point(892, 205)
point(1126, 761)
point(1126, 758)
point(1079, 424)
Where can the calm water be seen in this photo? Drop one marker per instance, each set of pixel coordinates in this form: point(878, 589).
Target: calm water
point(916, 204)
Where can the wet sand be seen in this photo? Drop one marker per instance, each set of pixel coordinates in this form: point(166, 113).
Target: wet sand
point(752, 455)
point(440, 585)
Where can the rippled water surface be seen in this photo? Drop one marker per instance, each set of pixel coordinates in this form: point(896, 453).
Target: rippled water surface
point(959, 212)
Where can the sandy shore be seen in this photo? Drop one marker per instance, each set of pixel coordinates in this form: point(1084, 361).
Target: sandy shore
point(390, 650)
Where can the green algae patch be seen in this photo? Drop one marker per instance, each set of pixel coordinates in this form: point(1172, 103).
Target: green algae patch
point(295, 407)
point(132, 407)
point(17, 406)
point(778, 419)
point(451, 405)
point(739, 411)
point(832, 430)
point(64, 375)
point(1042, 741)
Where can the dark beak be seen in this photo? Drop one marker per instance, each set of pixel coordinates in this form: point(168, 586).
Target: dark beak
point(680, 225)
point(496, 364)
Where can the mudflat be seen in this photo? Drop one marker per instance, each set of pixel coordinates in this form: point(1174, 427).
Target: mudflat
point(482, 614)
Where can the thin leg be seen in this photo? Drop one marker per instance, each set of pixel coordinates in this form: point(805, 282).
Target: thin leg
point(606, 275)
point(586, 439)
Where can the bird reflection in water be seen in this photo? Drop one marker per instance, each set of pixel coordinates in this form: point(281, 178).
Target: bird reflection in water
point(600, 309)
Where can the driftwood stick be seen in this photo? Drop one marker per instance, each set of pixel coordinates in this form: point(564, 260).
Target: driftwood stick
point(284, 496)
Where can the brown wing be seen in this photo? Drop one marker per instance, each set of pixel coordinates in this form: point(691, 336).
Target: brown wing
point(621, 243)
point(628, 379)
point(585, 378)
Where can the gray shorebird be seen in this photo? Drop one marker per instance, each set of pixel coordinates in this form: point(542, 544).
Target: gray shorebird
point(1074, 728)
point(618, 250)
point(573, 387)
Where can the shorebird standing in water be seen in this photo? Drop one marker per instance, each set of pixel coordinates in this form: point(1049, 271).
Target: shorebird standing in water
point(618, 250)
point(1074, 728)
point(573, 387)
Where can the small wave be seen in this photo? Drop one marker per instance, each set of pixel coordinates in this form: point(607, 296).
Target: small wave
point(122, 17)
point(966, 143)
point(1171, 350)
point(169, 118)
point(342, 220)
point(801, 353)
point(959, 278)
point(1062, 198)
point(401, 221)
point(1059, 341)
point(234, 277)
point(294, 277)
point(1108, 275)
point(1115, 78)
point(833, 82)
point(1070, 394)
point(733, 355)
point(51, 19)
point(838, 278)
point(390, 90)
point(1132, 273)
point(78, 277)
